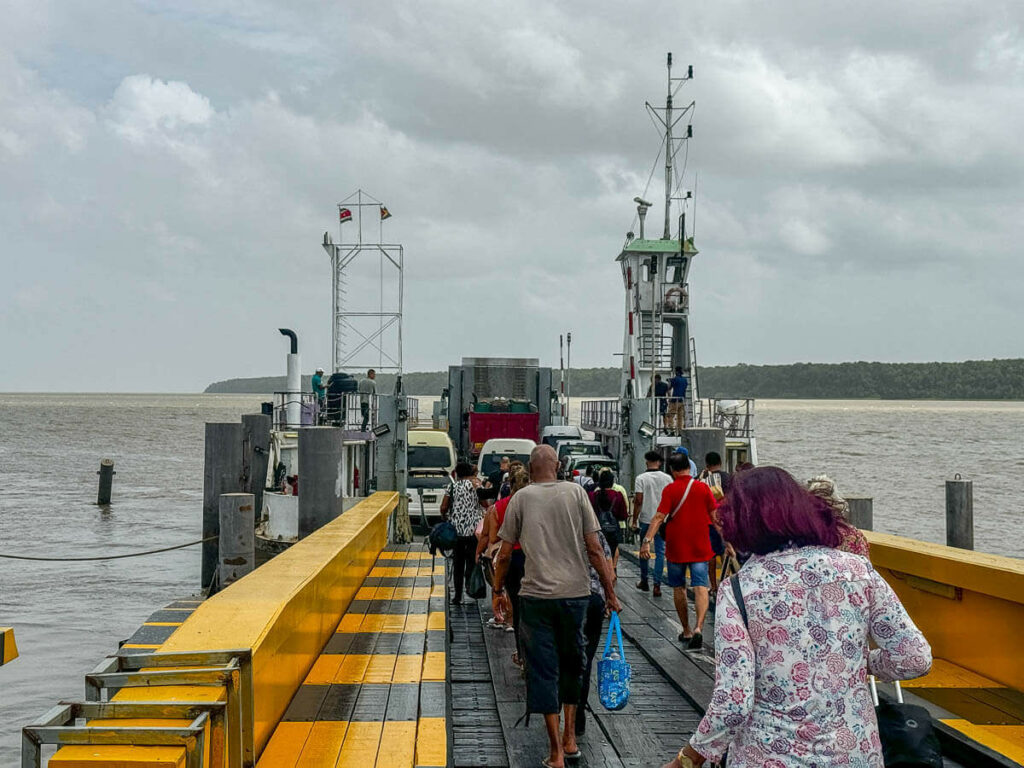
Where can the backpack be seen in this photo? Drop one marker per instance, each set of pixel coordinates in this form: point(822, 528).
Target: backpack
point(608, 521)
point(442, 538)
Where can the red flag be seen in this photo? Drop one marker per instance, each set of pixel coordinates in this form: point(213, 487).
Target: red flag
point(384, 213)
point(344, 214)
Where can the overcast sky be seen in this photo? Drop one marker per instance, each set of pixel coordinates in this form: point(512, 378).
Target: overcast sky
point(167, 171)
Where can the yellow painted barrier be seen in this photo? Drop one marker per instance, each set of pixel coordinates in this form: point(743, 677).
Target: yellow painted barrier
point(283, 612)
point(8, 648)
point(969, 605)
point(287, 609)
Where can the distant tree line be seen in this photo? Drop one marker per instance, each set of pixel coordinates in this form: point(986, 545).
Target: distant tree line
point(971, 380)
point(430, 383)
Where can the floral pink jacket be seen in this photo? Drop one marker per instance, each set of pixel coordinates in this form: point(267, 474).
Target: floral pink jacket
point(791, 690)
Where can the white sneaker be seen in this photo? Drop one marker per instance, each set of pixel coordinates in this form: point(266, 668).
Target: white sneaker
point(495, 624)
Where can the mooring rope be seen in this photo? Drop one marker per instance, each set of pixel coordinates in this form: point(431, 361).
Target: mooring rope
point(106, 557)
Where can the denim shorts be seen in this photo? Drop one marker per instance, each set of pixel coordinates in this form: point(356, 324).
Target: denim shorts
point(698, 574)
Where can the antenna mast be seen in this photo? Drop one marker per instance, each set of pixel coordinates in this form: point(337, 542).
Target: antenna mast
point(668, 121)
point(668, 153)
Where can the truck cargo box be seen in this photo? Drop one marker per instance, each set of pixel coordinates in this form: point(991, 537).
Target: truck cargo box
point(484, 426)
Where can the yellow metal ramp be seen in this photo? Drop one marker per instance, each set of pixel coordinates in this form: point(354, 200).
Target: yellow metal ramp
point(376, 696)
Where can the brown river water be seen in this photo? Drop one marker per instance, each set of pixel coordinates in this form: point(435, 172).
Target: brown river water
point(67, 616)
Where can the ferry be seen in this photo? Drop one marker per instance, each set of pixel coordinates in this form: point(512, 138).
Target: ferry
point(321, 633)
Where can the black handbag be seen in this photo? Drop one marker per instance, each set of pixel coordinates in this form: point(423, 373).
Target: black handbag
point(476, 586)
point(907, 733)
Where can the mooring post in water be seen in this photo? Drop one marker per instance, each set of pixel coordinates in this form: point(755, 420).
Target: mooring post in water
point(237, 542)
point(861, 512)
point(321, 477)
point(106, 474)
point(222, 473)
point(960, 513)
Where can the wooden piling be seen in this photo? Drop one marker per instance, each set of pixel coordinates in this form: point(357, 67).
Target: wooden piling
point(861, 513)
point(106, 474)
point(222, 473)
point(237, 542)
point(960, 513)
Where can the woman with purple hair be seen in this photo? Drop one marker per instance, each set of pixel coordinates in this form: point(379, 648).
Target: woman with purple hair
point(791, 638)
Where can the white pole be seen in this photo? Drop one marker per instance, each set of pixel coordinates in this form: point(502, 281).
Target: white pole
point(668, 154)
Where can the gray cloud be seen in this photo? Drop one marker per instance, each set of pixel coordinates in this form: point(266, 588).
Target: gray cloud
point(166, 173)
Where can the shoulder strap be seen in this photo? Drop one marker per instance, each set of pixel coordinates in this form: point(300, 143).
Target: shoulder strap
point(682, 501)
point(737, 593)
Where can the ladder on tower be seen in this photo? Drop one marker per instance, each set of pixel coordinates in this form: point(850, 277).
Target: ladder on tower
point(654, 349)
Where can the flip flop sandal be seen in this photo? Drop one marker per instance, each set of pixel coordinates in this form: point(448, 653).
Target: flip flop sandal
point(572, 755)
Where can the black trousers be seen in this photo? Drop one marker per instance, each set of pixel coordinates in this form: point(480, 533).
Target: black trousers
point(464, 555)
point(555, 651)
point(364, 409)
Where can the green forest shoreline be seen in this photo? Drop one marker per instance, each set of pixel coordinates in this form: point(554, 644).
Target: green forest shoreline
point(969, 380)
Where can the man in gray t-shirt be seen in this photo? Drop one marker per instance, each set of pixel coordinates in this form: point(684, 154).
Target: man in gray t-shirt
point(366, 388)
point(556, 527)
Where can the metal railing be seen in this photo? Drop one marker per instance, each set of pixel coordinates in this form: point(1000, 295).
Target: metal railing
point(600, 414)
point(345, 411)
point(736, 417)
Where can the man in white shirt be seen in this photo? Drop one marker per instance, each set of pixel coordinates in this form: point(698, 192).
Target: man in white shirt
point(648, 487)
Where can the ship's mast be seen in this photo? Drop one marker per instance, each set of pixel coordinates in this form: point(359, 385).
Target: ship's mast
point(668, 117)
point(667, 235)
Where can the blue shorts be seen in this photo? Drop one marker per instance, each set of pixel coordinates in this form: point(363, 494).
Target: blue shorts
point(698, 574)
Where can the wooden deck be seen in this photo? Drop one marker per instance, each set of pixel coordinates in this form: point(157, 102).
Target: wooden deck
point(488, 694)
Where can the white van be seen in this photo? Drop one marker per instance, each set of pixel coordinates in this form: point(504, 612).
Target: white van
point(551, 435)
point(516, 449)
point(430, 460)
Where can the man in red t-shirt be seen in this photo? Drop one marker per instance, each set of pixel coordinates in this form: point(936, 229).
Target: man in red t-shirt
point(685, 512)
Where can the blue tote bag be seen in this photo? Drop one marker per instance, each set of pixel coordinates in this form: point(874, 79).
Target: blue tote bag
point(613, 671)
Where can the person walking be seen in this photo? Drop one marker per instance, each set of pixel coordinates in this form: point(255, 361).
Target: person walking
point(684, 451)
point(686, 512)
point(508, 616)
point(366, 388)
point(461, 507)
point(675, 416)
point(319, 387)
point(496, 477)
point(557, 529)
point(794, 692)
point(713, 474)
point(647, 489)
point(609, 508)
